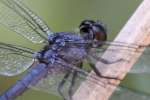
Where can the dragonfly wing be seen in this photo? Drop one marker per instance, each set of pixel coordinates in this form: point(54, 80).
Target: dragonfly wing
point(142, 65)
point(14, 59)
point(19, 18)
point(51, 82)
point(123, 93)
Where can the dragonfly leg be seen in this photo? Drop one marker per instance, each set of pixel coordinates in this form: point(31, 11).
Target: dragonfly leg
point(104, 60)
point(61, 84)
point(109, 62)
point(98, 73)
point(75, 74)
point(70, 92)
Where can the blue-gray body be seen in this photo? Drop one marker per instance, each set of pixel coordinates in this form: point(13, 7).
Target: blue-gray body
point(47, 57)
point(62, 51)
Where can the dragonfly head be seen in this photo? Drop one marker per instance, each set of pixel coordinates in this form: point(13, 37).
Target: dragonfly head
point(93, 30)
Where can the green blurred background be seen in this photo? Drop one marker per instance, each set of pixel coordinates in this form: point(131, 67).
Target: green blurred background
point(65, 15)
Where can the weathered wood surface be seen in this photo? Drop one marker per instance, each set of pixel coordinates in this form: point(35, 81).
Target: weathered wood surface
point(136, 30)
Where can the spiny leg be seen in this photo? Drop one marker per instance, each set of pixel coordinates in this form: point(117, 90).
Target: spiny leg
point(61, 84)
point(70, 92)
point(106, 61)
point(109, 62)
point(99, 74)
point(75, 74)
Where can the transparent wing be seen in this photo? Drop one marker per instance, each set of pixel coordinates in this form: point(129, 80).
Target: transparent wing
point(142, 65)
point(50, 83)
point(14, 59)
point(19, 18)
point(123, 93)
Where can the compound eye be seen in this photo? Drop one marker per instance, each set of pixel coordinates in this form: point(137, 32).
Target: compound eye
point(84, 29)
point(95, 30)
point(100, 33)
point(86, 26)
point(86, 22)
point(100, 36)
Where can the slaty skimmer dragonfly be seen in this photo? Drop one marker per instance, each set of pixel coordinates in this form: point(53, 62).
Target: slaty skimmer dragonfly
point(58, 67)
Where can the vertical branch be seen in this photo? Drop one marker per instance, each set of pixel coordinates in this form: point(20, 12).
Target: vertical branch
point(135, 31)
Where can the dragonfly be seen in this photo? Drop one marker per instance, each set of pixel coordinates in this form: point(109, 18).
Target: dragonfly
point(58, 67)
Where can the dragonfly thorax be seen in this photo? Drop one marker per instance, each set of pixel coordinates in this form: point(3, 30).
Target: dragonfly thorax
point(61, 45)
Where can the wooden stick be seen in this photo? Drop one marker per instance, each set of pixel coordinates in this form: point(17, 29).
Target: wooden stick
point(136, 31)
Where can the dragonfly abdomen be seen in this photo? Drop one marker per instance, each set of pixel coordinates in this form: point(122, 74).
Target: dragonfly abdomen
point(31, 78)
